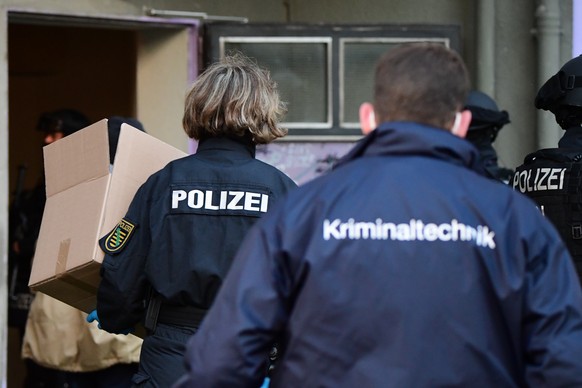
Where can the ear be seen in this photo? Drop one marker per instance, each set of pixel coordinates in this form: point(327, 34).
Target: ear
point(367, 118)
point(462, 123)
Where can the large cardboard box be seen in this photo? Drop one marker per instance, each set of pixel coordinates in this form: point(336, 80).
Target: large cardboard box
point(86, 198)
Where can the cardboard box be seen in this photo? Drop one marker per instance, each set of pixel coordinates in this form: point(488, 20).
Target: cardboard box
point(85, 201)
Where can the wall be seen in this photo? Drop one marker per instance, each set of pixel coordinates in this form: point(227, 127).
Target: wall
point(515, 44)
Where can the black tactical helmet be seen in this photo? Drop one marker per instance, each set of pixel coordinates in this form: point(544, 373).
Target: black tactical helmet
point(562, 94)
point(485, 113)
point(66, 121)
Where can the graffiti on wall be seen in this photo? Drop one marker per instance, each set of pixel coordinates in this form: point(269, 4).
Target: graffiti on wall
point(303, 161)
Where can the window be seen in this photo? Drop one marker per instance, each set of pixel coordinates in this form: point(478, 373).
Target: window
point(324, 72)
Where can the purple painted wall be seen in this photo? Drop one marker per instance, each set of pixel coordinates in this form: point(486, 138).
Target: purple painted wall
point(303, 161)
point(577, 28)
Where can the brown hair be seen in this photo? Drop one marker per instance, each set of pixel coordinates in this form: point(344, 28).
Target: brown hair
point(421, 82)
point(234, 97)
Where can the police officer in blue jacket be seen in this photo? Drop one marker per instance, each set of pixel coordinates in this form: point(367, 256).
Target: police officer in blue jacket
point(167, 258)
point(402, 267)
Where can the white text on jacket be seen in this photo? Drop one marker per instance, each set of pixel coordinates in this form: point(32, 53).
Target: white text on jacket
point(539, 179)
point(221, 200)
point(414, 230)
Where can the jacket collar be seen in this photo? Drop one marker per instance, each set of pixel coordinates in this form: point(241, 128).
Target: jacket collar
point(408, 138)
point(572, 138)
point(243, 146)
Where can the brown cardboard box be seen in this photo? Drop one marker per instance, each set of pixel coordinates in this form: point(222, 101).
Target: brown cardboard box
point(85, 201)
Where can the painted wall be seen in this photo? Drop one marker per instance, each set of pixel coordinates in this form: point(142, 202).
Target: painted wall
point(576, 28)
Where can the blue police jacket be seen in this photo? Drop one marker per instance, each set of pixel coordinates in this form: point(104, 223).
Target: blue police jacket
point(403, 267)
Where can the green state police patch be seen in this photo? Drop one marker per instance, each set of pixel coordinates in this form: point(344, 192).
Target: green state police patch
point(119, 236)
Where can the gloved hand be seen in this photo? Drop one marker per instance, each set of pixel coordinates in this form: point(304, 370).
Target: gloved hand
point(94, 317)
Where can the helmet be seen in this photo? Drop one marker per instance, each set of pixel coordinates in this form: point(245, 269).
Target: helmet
point(485, 113)
point(563, 89)
point(67, 121)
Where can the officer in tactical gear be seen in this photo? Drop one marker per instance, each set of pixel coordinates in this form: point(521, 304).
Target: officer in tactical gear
point(552, 176)
point(562, 95)
point(487, 120)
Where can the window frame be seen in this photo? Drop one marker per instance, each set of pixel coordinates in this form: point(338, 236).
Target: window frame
point(216, 35)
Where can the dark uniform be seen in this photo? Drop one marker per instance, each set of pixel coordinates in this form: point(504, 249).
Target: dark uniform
point(486, 122)
point(176, 244)
point(371, 277)
point(552, 177)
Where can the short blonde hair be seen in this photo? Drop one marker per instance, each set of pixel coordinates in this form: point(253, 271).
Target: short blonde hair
point(234, 97)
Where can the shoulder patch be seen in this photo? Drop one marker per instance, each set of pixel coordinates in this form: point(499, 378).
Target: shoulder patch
point(117, 239)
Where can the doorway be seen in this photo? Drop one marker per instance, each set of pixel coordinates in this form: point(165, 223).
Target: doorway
point(101, 67)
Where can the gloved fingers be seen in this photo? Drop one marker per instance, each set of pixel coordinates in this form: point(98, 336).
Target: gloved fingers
point(93, 317)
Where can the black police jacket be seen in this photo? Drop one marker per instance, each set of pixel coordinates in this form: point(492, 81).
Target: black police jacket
point(183, 228)
point(572, 138)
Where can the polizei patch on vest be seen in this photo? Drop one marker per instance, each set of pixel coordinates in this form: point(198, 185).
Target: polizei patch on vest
point(118, 238)
point(216, 200)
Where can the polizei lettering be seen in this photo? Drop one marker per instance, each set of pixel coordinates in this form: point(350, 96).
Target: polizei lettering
point(225, 201)
point(414, 230)
point(539, 179)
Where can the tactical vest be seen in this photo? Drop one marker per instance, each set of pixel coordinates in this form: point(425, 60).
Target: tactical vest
point(553, 179)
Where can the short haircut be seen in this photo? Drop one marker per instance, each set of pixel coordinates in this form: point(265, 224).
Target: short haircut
point(234, 97)
point(421, 82)
point(67, 121)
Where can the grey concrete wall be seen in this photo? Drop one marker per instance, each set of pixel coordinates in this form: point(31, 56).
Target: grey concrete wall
point(515, 47)
point(515, 78)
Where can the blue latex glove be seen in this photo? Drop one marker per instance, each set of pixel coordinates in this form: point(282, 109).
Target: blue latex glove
point(266, 383)
point(94, 317)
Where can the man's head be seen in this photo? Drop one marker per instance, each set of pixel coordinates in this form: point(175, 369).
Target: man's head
point(562, 94)
point(60, 123)
point(234, 97)
point(422, 82)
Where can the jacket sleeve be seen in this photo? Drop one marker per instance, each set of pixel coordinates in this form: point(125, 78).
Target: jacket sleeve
point(232, 345)
point(552, 317)
point(122, 291)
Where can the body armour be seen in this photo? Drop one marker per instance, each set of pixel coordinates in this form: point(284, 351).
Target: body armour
point(552, 178)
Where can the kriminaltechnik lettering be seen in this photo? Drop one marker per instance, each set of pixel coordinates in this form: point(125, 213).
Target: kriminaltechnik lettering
point(414, 230)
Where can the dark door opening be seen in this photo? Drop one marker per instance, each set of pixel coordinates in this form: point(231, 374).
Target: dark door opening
point(92, 70)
